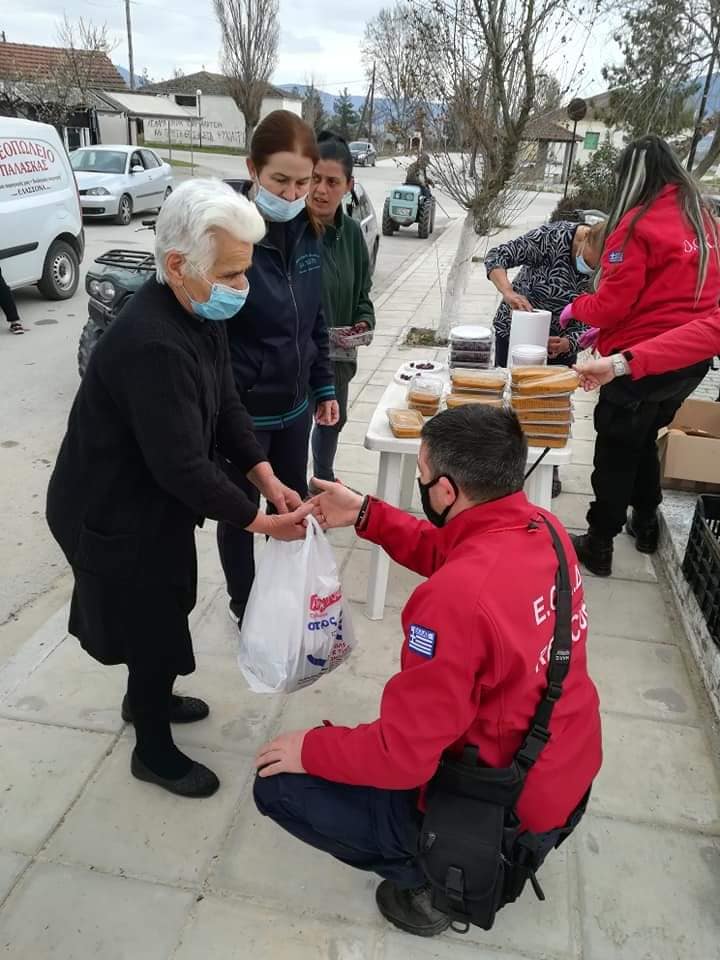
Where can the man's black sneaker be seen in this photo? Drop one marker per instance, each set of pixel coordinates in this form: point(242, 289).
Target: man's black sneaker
point(411, 910)
point(182, 710)
point(645, 530)
point(199, 781)
point(594, 553)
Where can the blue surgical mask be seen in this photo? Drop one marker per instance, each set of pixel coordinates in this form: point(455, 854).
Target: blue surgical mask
point(583, 267)
point(224, 302)
point(278, 209)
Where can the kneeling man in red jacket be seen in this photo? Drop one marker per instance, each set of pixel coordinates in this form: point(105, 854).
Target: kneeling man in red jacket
point(475, 642)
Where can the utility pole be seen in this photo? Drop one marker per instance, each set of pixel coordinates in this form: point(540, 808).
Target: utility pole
point(131, 59)
point(372, 103)
point(703, 101)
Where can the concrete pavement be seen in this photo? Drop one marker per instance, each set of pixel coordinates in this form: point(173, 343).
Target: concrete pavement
point(95, 864)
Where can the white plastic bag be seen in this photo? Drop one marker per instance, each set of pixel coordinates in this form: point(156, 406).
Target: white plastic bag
point(296, 625)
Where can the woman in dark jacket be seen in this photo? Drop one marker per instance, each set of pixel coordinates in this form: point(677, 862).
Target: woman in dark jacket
point(557, 261)
point(136, 473)
point(346, 283)
point(279, 343)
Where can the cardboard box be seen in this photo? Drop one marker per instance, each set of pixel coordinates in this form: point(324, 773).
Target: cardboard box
point(690, 448)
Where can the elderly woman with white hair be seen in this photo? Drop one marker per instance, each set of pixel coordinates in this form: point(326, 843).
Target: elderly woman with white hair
point(136, 472)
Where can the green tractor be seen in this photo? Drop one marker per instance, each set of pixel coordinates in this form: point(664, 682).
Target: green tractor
point(405, 206)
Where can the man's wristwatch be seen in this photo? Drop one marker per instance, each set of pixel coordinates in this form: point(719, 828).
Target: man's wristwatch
point(620, 365)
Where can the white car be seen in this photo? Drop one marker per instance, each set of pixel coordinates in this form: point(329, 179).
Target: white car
point(117, 181)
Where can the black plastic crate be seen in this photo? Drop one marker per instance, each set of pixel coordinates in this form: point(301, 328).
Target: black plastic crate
point(701, 565)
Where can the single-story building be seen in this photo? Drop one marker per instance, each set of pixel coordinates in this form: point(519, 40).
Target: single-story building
point(206, 94)
point(57, 85)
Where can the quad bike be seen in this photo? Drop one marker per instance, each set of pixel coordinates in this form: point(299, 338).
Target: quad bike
point(405, 206)
point(110, 282)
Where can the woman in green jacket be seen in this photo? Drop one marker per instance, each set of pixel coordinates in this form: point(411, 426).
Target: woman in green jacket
point(346, 284)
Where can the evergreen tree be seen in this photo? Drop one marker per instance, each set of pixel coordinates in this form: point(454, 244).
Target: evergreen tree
point(650, 89)
point(345, 117)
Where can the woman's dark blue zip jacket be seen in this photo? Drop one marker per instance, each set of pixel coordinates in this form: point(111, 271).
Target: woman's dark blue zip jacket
point(279, 341)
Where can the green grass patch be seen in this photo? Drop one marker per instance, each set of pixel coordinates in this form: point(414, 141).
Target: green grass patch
point(424, 337)
point(233, 151)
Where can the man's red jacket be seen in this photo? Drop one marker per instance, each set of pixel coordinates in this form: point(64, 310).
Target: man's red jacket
point(476, 636)
point(648, 280)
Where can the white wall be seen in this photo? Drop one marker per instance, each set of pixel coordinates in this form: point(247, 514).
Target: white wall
point(223, 125)
point(113, 127)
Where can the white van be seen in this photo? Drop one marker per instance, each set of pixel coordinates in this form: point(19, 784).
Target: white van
point(41, 231)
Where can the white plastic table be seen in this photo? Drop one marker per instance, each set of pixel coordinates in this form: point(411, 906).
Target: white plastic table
point(396, 481)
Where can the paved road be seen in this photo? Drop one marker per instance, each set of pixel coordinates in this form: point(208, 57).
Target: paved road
point(38, 373)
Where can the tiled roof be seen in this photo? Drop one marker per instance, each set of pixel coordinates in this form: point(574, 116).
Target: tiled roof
point(211, 84)
point(25, 61)
point(544, 129)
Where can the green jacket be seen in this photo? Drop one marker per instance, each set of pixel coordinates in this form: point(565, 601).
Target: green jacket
point(346, 279)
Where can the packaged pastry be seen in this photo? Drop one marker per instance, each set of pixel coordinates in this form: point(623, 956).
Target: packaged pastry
point(462, 399)
point(561, 415)
point(545, 441)
point(546, 429)
point(425, 391)
point(405, 423)
point(541, 403)
point(520, 374)
point(488, 381)
point(555, 384)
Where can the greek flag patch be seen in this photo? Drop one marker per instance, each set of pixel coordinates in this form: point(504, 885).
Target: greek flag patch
point(422, 641)
point(616, 256)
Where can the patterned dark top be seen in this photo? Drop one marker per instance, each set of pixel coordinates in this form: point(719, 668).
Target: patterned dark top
point(548, 277)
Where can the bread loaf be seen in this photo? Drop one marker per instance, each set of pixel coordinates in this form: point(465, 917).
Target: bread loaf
point(558, 383)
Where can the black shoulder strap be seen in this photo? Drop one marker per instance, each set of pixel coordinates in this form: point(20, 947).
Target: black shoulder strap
point(559, 661)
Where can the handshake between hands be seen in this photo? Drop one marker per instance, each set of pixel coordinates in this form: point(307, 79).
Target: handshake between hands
point(335, 506)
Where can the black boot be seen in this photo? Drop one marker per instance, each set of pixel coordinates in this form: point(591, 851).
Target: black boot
point(646, 531)
point(594, 552)
point(411, 910)
point(556, 483)
point(199, 781)
point(182, 709)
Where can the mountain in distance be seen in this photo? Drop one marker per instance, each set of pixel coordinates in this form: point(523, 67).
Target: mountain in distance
point(125, 74)
point(328, 99)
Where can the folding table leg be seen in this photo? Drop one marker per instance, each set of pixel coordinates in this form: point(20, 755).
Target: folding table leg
point(407, 483)
point(539, 486)
point(388, 489)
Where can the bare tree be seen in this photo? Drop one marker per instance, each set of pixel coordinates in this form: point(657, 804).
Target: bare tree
point(251, 34)
point(75, 70)
point(389, 46)
point(478, 65)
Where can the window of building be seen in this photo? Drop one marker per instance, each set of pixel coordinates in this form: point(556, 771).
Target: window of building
point(592, 141)
point(185, 101)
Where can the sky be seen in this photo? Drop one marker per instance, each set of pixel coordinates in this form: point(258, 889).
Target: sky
point(319, 38)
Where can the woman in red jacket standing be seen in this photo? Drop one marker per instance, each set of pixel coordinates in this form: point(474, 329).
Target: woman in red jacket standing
point(660, 269)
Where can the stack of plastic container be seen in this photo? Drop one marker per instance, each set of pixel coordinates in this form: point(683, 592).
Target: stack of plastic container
point(542, 399)
point(476, 386)
point(470, 347)
point(424, 395)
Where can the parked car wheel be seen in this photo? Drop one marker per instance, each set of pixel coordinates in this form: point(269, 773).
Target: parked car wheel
point(89, 337)
point(425, 220)
point(389, 226)
point(124, 214)
point(61, 272)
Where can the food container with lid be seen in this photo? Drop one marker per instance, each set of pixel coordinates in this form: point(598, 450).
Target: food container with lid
point(405, 424)
point(528, 354)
